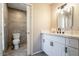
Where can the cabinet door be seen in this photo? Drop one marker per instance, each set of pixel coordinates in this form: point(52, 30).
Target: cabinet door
point(72, 42)
point(57, 49)
point(46, 42)
point(46, 46)
point(58, 39)
point(52, 47)
point(72, 51)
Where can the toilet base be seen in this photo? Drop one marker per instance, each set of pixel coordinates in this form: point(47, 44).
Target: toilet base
point(16, 47)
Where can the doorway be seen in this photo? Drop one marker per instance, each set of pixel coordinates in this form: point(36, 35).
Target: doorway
point(14, 23)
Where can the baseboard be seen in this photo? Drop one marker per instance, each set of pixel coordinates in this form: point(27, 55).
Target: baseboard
point(37, 52)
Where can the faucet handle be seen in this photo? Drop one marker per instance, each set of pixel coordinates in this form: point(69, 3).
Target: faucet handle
point(63, 32)
point(59, 30)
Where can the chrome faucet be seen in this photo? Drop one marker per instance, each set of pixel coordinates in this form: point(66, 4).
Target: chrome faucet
point(59, 30)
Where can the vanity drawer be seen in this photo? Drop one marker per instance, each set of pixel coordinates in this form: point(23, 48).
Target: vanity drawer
point(72, 42)
point(54, 38)
point(45, 36)
point(58, 39)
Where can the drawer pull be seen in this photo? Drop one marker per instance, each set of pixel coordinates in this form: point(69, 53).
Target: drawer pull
point(65, 49)
point(51, 43)
point(43, 40)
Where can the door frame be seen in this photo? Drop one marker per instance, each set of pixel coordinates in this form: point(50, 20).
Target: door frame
point(3, 40)
point(29, 26)
point(29, 22)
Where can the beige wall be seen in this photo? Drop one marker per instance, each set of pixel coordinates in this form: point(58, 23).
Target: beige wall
point(17, 24)
point(41, 17)
point(44, 18)
point(76, 17)
point(75, 27)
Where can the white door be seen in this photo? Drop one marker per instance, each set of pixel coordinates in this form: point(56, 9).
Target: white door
point(72, 51)
point(1, 52)
point(28, 20)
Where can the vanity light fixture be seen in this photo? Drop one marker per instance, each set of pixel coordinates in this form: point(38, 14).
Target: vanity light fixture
point(64, 9)
point(61, 7)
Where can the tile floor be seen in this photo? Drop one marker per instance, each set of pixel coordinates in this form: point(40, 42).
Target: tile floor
point(41, 54)
point(22, 51)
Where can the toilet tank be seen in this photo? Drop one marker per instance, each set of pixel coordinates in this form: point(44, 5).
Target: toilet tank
point(16, 35)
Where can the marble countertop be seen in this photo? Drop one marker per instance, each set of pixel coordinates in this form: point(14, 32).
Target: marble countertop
point(64, 35)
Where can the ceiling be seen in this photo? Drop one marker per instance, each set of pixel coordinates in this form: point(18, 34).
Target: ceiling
point(20, 6)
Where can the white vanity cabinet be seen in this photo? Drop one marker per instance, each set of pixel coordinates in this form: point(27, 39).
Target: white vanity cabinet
point(57, 49)
point(72, 47)
point(54, 45)
point(71, 51)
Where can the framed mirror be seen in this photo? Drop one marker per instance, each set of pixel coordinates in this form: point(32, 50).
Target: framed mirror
point(64, 18)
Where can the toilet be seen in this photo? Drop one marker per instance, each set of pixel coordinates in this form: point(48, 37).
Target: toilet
point(16, 40)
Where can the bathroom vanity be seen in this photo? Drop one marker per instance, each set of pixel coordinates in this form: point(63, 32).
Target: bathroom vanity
point(60, 43)
point(54, 44)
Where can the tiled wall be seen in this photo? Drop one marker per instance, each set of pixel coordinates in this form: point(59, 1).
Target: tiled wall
point(17, 23)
